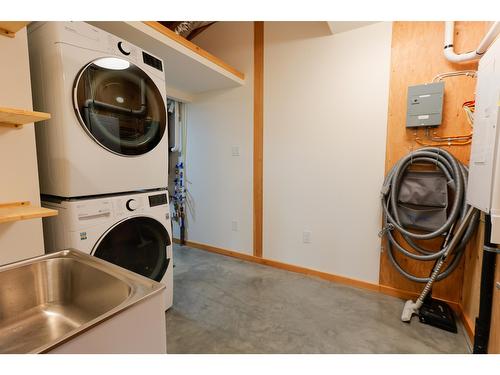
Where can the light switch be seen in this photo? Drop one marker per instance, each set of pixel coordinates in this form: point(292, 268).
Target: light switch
point(306, 236)
point(235, 151)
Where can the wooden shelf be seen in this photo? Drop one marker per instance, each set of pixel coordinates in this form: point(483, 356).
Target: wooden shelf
point(13, 117)
point(10, 28)
point(16, 211)
point(189, 70)
point(193, 47)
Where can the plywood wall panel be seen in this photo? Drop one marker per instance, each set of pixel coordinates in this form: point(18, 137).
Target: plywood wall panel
point(416, 57)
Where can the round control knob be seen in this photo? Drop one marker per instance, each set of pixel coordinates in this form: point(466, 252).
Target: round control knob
point(123, 48)
point(132, 205)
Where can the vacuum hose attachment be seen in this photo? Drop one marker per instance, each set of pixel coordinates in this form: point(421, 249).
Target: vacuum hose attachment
point(456, 211)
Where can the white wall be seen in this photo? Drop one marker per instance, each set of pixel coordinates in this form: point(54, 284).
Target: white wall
point(18, 166)
point(219, 184)
point(325, 119)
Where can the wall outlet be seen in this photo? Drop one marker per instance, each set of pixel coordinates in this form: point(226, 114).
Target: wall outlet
point(235, 151)
point(234, 226)
point(306, 236)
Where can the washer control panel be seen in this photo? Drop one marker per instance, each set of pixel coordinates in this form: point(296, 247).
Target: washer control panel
point(158, 200)
point(94, 211)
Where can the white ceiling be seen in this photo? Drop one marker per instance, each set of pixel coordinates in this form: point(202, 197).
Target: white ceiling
point(341, 26)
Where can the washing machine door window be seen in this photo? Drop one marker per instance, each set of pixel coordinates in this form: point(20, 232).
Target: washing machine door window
point(138, 244)
point(120, 106)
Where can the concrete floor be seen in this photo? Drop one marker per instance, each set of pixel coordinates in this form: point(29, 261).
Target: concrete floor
point(225, 305)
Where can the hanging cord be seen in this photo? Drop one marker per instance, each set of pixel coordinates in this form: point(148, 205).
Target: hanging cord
point(456, 174)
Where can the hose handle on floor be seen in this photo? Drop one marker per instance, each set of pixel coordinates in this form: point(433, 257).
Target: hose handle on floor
point(453, 243)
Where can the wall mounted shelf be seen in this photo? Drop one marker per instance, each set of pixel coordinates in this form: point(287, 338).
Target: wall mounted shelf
point(10, 28)
point(13, 117)
point(189, 70)
point(16, 211)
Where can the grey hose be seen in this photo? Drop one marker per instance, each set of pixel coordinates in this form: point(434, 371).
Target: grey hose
point(456, 174)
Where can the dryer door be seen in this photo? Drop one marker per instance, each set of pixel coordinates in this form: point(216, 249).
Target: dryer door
point(138, 244)
point(119, 106)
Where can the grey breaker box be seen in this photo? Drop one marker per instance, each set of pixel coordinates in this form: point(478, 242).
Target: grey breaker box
point(425, 105)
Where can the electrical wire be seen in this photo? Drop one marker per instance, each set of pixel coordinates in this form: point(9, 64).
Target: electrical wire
point(470, 108)
point(451, 140)
point(467, 73)
point(436, 144)
point(435, 140)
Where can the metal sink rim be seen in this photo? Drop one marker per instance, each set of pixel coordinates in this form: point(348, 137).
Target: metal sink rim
point(141, 288)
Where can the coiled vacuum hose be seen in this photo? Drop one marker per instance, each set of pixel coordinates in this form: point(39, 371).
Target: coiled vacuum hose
point(456, 174)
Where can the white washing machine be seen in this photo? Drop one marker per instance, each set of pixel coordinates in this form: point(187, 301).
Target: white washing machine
point(130, 230)
point(107, 99)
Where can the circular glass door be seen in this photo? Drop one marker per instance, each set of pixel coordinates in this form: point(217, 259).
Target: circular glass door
point(120, 106)
point(138, 244)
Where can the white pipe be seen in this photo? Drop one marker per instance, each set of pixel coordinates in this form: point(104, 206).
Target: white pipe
point(450, 54)
point(177, 130)
point(489, 38)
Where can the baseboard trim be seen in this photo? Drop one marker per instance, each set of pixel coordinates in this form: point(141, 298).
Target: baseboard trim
point(468, 325)
point(403, 294)
point(284, 266)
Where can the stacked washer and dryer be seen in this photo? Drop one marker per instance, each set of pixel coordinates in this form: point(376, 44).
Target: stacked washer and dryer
point(103, 156)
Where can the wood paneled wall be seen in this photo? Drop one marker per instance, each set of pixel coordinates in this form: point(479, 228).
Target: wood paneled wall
point(417, 56)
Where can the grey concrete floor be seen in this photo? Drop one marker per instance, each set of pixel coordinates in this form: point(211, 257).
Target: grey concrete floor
point(225, 305)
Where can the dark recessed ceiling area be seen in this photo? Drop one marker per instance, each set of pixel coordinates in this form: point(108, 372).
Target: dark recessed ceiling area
point(187, 29)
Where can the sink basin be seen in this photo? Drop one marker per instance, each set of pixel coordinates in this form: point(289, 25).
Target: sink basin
point(46, 301)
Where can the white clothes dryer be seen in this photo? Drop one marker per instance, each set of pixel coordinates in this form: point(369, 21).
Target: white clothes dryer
point(108, 131)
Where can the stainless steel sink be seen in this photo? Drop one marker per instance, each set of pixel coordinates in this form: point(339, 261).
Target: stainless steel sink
point(47, 300)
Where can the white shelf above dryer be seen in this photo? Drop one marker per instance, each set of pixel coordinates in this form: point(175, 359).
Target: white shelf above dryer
point(189, 70)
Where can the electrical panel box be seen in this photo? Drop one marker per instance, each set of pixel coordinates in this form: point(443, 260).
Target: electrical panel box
point(425, 105)
point(483, 188)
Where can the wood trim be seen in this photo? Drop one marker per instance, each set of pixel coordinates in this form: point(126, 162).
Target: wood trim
point(258, 137)
point(468, 324)
point(322, 275)
point(23, 210)
point(15, 117)
point(10, 28)
point(402, 294)
point(289, 267)
point(218, 250)
point(405, 294)
point(193, 47)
